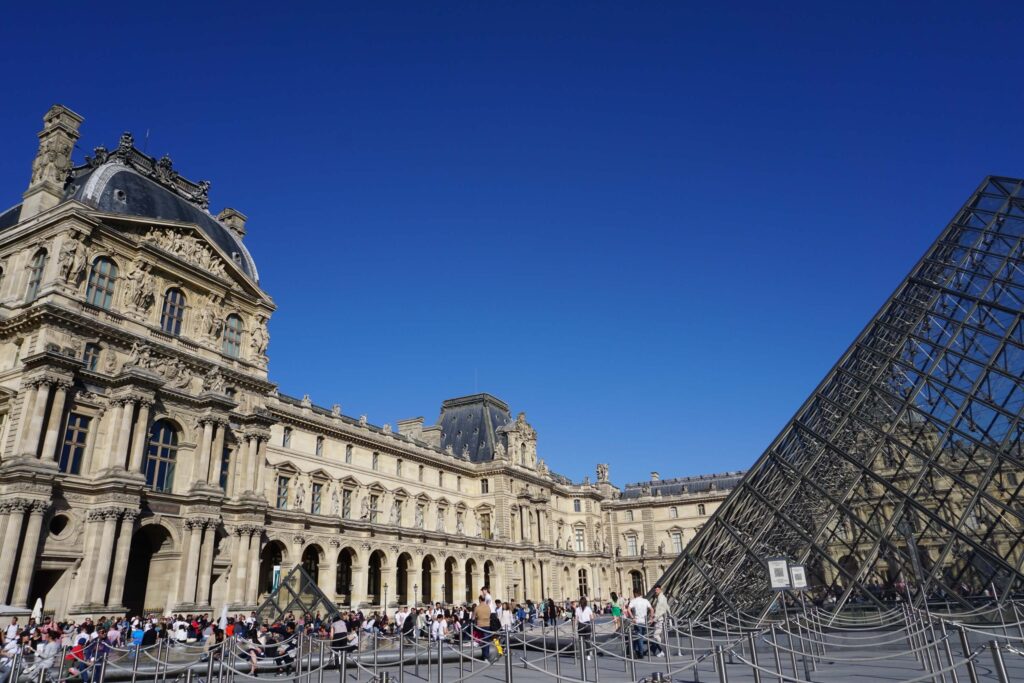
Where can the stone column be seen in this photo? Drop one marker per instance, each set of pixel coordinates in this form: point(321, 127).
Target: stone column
point(139, 444)
point(30, 446)
point(113, 429)
point(104, 555)
point(15, 515)
point(119, 456)
point(252, 590)
point(329, 572)
point(206, 563)
point(29, 554)
point(261, 465)
point(359, 578)
point(55, 423)
point(390, 577)
point(246, 467)
point(230, 486)
point(32, 391)
point(200, 472)
point(124, 544)
point(459, 583)
point(436, 579)
point(478, 579)
point(195, 528)
point(217, 452)
point(240, 565)
point(83, 590)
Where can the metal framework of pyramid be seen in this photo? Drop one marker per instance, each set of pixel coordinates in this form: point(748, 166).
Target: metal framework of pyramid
point(902, 472)
point(297, 593)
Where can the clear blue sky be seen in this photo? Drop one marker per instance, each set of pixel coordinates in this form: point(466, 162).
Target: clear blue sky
point(651, 226)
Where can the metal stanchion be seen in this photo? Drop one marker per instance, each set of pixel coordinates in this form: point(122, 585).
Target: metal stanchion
point(630, 656)
point(997, 662)
point(135, 666)
point(778, 658)
point(188, 675)
point(753, 657)
point(666, 648)
point(693, 652)
point(965, 643)
point(320, 673)
point(949, 652)
point(558, 651)
point(375, 652)
point(401, 658)
point(728, 637)
point(343, 669)
point(440, 661)
point(723, 677)
point(508, 661)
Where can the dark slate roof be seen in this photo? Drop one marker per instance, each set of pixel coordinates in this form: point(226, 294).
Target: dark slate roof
point(469, 425)
point(114, 188)
point(10, 217)
point(680, 485)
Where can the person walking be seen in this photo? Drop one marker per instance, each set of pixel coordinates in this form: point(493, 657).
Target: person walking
point(584, 626)
point(640, 610)
point(660, 621)
point(616, 612)
point(482, 619)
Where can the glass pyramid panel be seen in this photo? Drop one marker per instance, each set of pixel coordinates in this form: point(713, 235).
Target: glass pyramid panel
point(298, 594)
point(903, 470)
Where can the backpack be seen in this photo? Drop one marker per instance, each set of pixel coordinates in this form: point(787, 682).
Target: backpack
point(495, 624)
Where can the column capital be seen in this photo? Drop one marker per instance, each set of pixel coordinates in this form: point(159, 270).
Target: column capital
point(102, 514)
point(201, 522)
point(17, 505)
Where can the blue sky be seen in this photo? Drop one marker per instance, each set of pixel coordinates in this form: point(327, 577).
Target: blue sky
point(651, 226)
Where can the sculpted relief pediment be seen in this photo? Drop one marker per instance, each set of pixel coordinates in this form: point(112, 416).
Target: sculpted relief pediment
point(188, 248)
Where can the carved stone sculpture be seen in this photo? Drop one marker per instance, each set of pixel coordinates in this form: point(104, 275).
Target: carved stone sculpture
point(259, 338)
point(418, 522)
point(300, 496)
point(602, 472)
point(188, 248)
point(213, 380)
point(335, 502)
point(441, 513)
point(66, 259)
point(396, 512)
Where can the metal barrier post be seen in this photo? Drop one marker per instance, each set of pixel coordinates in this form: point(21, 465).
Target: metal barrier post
point(440, 660)
point(792, 651)
point(630, 657)
point(997, 662)
point(753, 657)
point(209, 665)
point(135, 666)
point(375, 652)
point(508, 661)
point(693, 652)
point(778, 658)
point(320, 673)
point(298, 654)
point(965, 643)
point(666, 648)
point(583, 664)
point(949, 652)
point(343, 669)
point(188, 675)
point(401, 658)
point(723, 677)
point(558, 651)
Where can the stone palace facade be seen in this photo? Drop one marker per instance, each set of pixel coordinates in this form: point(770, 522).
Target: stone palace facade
point(148, 463)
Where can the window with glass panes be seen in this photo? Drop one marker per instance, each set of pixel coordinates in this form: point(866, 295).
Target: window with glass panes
point(100, 289)
point(35, 274)
point(320, 445)
point(485, 525)
point(629, 515)
point(161, 456)
point(701, 510)
point(485, 486)
point(677, 541)
point(577, 506)
point(225, 467)
point(631, 547)
point(91, 357)
point(232, 336)
point(581, 541)
point(286, 438)
point(584, 587)
point(376, 460)
point(73, 450)
point(374, 503)
point(282, 492)
point(346, 503)
point(318, 490)
point(348, 454)
point(173, 312)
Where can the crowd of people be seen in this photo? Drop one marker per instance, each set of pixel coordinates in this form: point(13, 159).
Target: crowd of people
point(47, 647)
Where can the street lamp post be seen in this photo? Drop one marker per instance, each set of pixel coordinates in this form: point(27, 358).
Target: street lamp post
point(385, 603)
point(416, 594)
point(444, 596)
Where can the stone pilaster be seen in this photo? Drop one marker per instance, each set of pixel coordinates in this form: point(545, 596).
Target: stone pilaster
point(15, 511)
point(29, 553)
point(120, 569)
point(138, 448)
point(255, 551)
point(108, 517)
point(56, 422)
point(240, 563)
point(194, 527)
point(206, 562)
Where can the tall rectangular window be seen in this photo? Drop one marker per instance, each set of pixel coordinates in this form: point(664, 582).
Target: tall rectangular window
point(376, 460)
point(348, 454)
point(581, 541)
point(677, 541)
point(629, 515)
point(420, 475)
point(225, 467)
point(398, 467)
point(282, 493)
point(458, 483)
point(73, 451)
point(346, 504)
point(91, 357)
point(485, 525)
point(631, 546)
point(318, 491)
point(286, 438)
point(701, 510)
point(577, 506)
point(440, 478)
point(485, 486)
point(374, 504)
point(320, 445)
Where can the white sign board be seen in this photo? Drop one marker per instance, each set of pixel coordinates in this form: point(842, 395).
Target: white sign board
point(778, 573)
point(798, 576)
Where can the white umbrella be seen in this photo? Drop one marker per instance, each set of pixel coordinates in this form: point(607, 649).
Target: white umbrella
point(37, 611)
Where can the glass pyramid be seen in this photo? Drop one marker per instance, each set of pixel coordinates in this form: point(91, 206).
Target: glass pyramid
point(902, 472)
point(298, 594)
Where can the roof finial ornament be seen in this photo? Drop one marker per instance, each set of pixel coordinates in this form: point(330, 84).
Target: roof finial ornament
point(124, 146)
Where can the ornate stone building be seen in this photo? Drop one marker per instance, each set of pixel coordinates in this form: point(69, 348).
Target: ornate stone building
point(148, 463)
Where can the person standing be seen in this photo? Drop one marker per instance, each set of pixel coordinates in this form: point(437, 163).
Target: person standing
point(482, 619)
point(616, 612)
point(584, 625)
point(660, 621)
point(639, 610)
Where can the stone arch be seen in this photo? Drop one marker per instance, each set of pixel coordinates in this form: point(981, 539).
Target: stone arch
point(311, 559)
point(472, 592)
point(347, 559)
point(450, 567)
point(636, 582)
point(376, 565)
point(490, 577)
point(428, 568)
point(273, 559)
point(152, 561)
point(404, 575)
point(172, 530)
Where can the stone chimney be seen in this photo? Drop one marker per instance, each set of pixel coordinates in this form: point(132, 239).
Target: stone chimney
point(655, 476)
point(53, 161)
point(234, 220)
point(412, 428)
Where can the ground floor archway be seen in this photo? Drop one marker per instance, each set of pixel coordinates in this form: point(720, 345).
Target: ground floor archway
point(271, 563)
point(151, 570)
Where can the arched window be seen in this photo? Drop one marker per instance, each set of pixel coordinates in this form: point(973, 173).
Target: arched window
point(701, 510)
point(102, 276)
point(173, 312)
point(584, 588)
point(161, 455)
point(35, 274)
point(233, 336)
point(673, 512)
